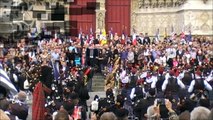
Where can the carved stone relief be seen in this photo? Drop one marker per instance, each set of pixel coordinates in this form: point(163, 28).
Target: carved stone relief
point(159, 3)
point(100, 21)
point(148, 20)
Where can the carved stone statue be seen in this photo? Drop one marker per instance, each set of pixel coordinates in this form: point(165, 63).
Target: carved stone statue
point(141, 3)
point(204, 1)
point(100, 21)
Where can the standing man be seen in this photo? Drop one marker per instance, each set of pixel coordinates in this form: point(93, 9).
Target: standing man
point(171, 85)
point(199, 85)
point(91, 55)
point(146, 39)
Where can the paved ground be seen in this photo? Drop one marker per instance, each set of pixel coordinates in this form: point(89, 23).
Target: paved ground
point(92, 94)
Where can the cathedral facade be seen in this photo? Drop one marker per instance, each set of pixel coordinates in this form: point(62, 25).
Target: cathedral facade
point(172, 16)
point(119, 16)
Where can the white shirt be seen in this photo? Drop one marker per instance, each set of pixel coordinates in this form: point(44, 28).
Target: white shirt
point(123, 74)
point(181, 75)
point(132, 94)
point(210, 77)
point(163, 60)
point(188, 56)
point(154, 80)
point(125, 80)
point(206, 86)
point(146, 53)
point(158, 61)
point(193, 55)
point(143, 75)
point(179, 82)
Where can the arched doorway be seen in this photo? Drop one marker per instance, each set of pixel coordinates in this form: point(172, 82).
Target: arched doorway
point(118, 16)
point(82, 16)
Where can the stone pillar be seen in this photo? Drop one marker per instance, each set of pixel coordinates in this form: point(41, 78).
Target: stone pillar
point(100, 16)
point(67, 20)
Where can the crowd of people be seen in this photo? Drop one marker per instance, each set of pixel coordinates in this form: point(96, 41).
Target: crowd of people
point(145, 78)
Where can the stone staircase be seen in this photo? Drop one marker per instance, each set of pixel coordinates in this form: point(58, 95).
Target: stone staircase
point(98, 82)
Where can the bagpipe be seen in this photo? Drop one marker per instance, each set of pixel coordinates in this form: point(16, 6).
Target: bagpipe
point(88, 73)
point(32, 77)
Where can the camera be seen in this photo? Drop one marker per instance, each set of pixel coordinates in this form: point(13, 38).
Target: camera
point(160, 101)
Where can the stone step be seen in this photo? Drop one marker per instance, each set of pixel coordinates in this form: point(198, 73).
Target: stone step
point(97, 89)
point(98, 81)
point(98, 84)
point(98, 77)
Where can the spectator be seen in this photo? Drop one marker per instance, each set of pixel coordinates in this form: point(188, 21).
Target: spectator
point(200, 113)
point(3, 116)
point(62, 115)
point(108, 116)
point(20, 107)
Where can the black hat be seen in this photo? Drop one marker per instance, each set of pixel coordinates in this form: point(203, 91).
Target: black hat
point(152, 91)
point(120, 99)
point(109, 93)
point(68, 106)
point(74, 96)
point(204, 103)
point(96, 97)
point(121, 113)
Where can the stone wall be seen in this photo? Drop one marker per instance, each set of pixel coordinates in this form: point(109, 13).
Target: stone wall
point(179, 15)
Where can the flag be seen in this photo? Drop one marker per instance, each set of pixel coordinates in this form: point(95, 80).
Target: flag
point(172, 30)
point(123, 36)
point(182, 34)
point(165, 33)
point(91, 31)
point(157, 35)
point(189, 37)
point(103, 37)
point(6, 82)
point(90, 36)
point(111, 36)
point(56, 70)
point(172, 33)
point(56, 35)
point(34, 32)
point(80, 33)
point(134, 39)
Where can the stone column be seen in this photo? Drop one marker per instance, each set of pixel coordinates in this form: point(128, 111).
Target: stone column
point(100, 16)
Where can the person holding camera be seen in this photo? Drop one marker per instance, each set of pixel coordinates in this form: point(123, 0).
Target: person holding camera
point(160, 109)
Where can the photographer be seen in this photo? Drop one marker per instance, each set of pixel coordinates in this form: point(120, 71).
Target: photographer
point(156, 111)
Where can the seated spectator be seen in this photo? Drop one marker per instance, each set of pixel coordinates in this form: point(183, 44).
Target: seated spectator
point(5, 106)
point(200, 113)
point(184, 115)
point(108, 116)
point(154, 112)
point(19, 107)
point(62, 115)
